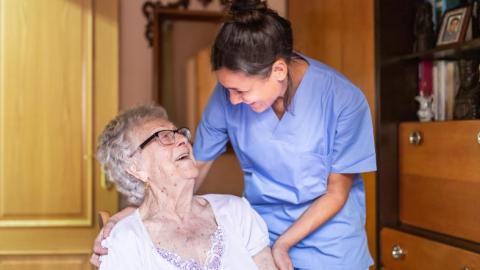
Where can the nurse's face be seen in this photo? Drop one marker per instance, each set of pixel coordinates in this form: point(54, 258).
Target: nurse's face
point(256, 91)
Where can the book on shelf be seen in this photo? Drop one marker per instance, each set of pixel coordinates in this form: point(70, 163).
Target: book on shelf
point(445, 85)
point(451, 87)
point(425, 80)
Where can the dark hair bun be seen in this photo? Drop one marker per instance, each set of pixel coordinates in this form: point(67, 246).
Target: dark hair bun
point(247, 5)
point(246, 11)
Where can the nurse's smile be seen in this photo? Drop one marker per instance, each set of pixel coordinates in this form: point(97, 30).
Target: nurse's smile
point(256, 91)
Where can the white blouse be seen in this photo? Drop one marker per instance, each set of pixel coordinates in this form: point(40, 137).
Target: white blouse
point(241, 234)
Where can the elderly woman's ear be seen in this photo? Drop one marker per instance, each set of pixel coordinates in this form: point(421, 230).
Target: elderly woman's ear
point(136, 171)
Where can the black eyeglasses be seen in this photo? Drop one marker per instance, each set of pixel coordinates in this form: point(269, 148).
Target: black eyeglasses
point(165, 137)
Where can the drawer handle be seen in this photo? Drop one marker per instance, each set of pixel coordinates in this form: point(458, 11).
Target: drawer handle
point(397, 252)
point(466, 268)
point(478, 137)
point(416, 138)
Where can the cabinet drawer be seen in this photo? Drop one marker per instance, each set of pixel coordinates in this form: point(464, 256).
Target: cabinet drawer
point(439, 178)
point(414, 252)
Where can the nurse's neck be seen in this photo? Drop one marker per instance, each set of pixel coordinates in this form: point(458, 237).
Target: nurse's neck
point(297, 67)
point(278, 107)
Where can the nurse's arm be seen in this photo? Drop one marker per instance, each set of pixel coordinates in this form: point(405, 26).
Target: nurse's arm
point(203, 167)
point(322, 209)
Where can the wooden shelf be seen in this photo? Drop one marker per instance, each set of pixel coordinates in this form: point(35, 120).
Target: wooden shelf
point(435, 236)
point(469, 49)
point(441, 122)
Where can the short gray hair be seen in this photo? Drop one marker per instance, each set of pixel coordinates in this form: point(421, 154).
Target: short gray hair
point(114, 147)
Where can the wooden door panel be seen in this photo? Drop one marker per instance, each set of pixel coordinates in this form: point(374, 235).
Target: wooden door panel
point(51, 110)
point(205, 80)
point(46, 113)
point(43, 262)
point(317, 30)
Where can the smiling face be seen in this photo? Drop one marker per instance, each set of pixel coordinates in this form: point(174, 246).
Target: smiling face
point(254, 90)
point(162, 165)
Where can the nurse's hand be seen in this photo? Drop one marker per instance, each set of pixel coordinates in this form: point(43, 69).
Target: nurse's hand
point(98, 250)
point(280, 256)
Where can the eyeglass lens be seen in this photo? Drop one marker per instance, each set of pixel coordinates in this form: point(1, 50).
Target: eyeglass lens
point(167, 137)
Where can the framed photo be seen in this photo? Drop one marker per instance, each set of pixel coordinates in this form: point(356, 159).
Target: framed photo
point(454, 26)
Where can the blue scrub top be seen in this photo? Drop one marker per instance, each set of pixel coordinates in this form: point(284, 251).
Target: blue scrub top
point(286, 163)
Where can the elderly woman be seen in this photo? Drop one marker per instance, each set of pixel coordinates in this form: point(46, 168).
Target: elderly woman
point(151, 162)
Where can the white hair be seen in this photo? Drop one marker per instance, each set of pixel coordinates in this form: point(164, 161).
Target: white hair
point(114, 148)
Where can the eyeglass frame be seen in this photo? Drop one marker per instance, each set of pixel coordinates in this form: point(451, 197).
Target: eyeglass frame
point(146, 142)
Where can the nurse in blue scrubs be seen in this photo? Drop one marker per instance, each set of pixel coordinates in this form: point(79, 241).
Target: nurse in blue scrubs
point(302, 133)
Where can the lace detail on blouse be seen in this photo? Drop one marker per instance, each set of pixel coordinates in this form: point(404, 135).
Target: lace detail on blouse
point(212, 262)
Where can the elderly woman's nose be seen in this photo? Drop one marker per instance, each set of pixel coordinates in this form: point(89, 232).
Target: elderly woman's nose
point(180, 139)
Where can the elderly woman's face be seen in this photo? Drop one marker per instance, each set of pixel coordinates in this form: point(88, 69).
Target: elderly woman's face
point(161, 162)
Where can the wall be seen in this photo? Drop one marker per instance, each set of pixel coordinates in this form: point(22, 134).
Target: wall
point(135, 56)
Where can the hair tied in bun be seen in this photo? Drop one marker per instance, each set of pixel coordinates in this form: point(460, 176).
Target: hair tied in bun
point(241, 6)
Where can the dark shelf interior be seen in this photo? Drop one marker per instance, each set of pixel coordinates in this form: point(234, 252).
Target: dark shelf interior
point(468, 49)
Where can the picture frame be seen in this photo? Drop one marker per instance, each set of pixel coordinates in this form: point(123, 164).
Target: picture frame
point(454, 26)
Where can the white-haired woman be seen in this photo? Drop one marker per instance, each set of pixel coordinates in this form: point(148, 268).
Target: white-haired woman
point(151, 162)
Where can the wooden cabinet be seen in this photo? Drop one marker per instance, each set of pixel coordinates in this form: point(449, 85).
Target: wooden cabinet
point(404, 251)
point(439, 183)
point(428, 179)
